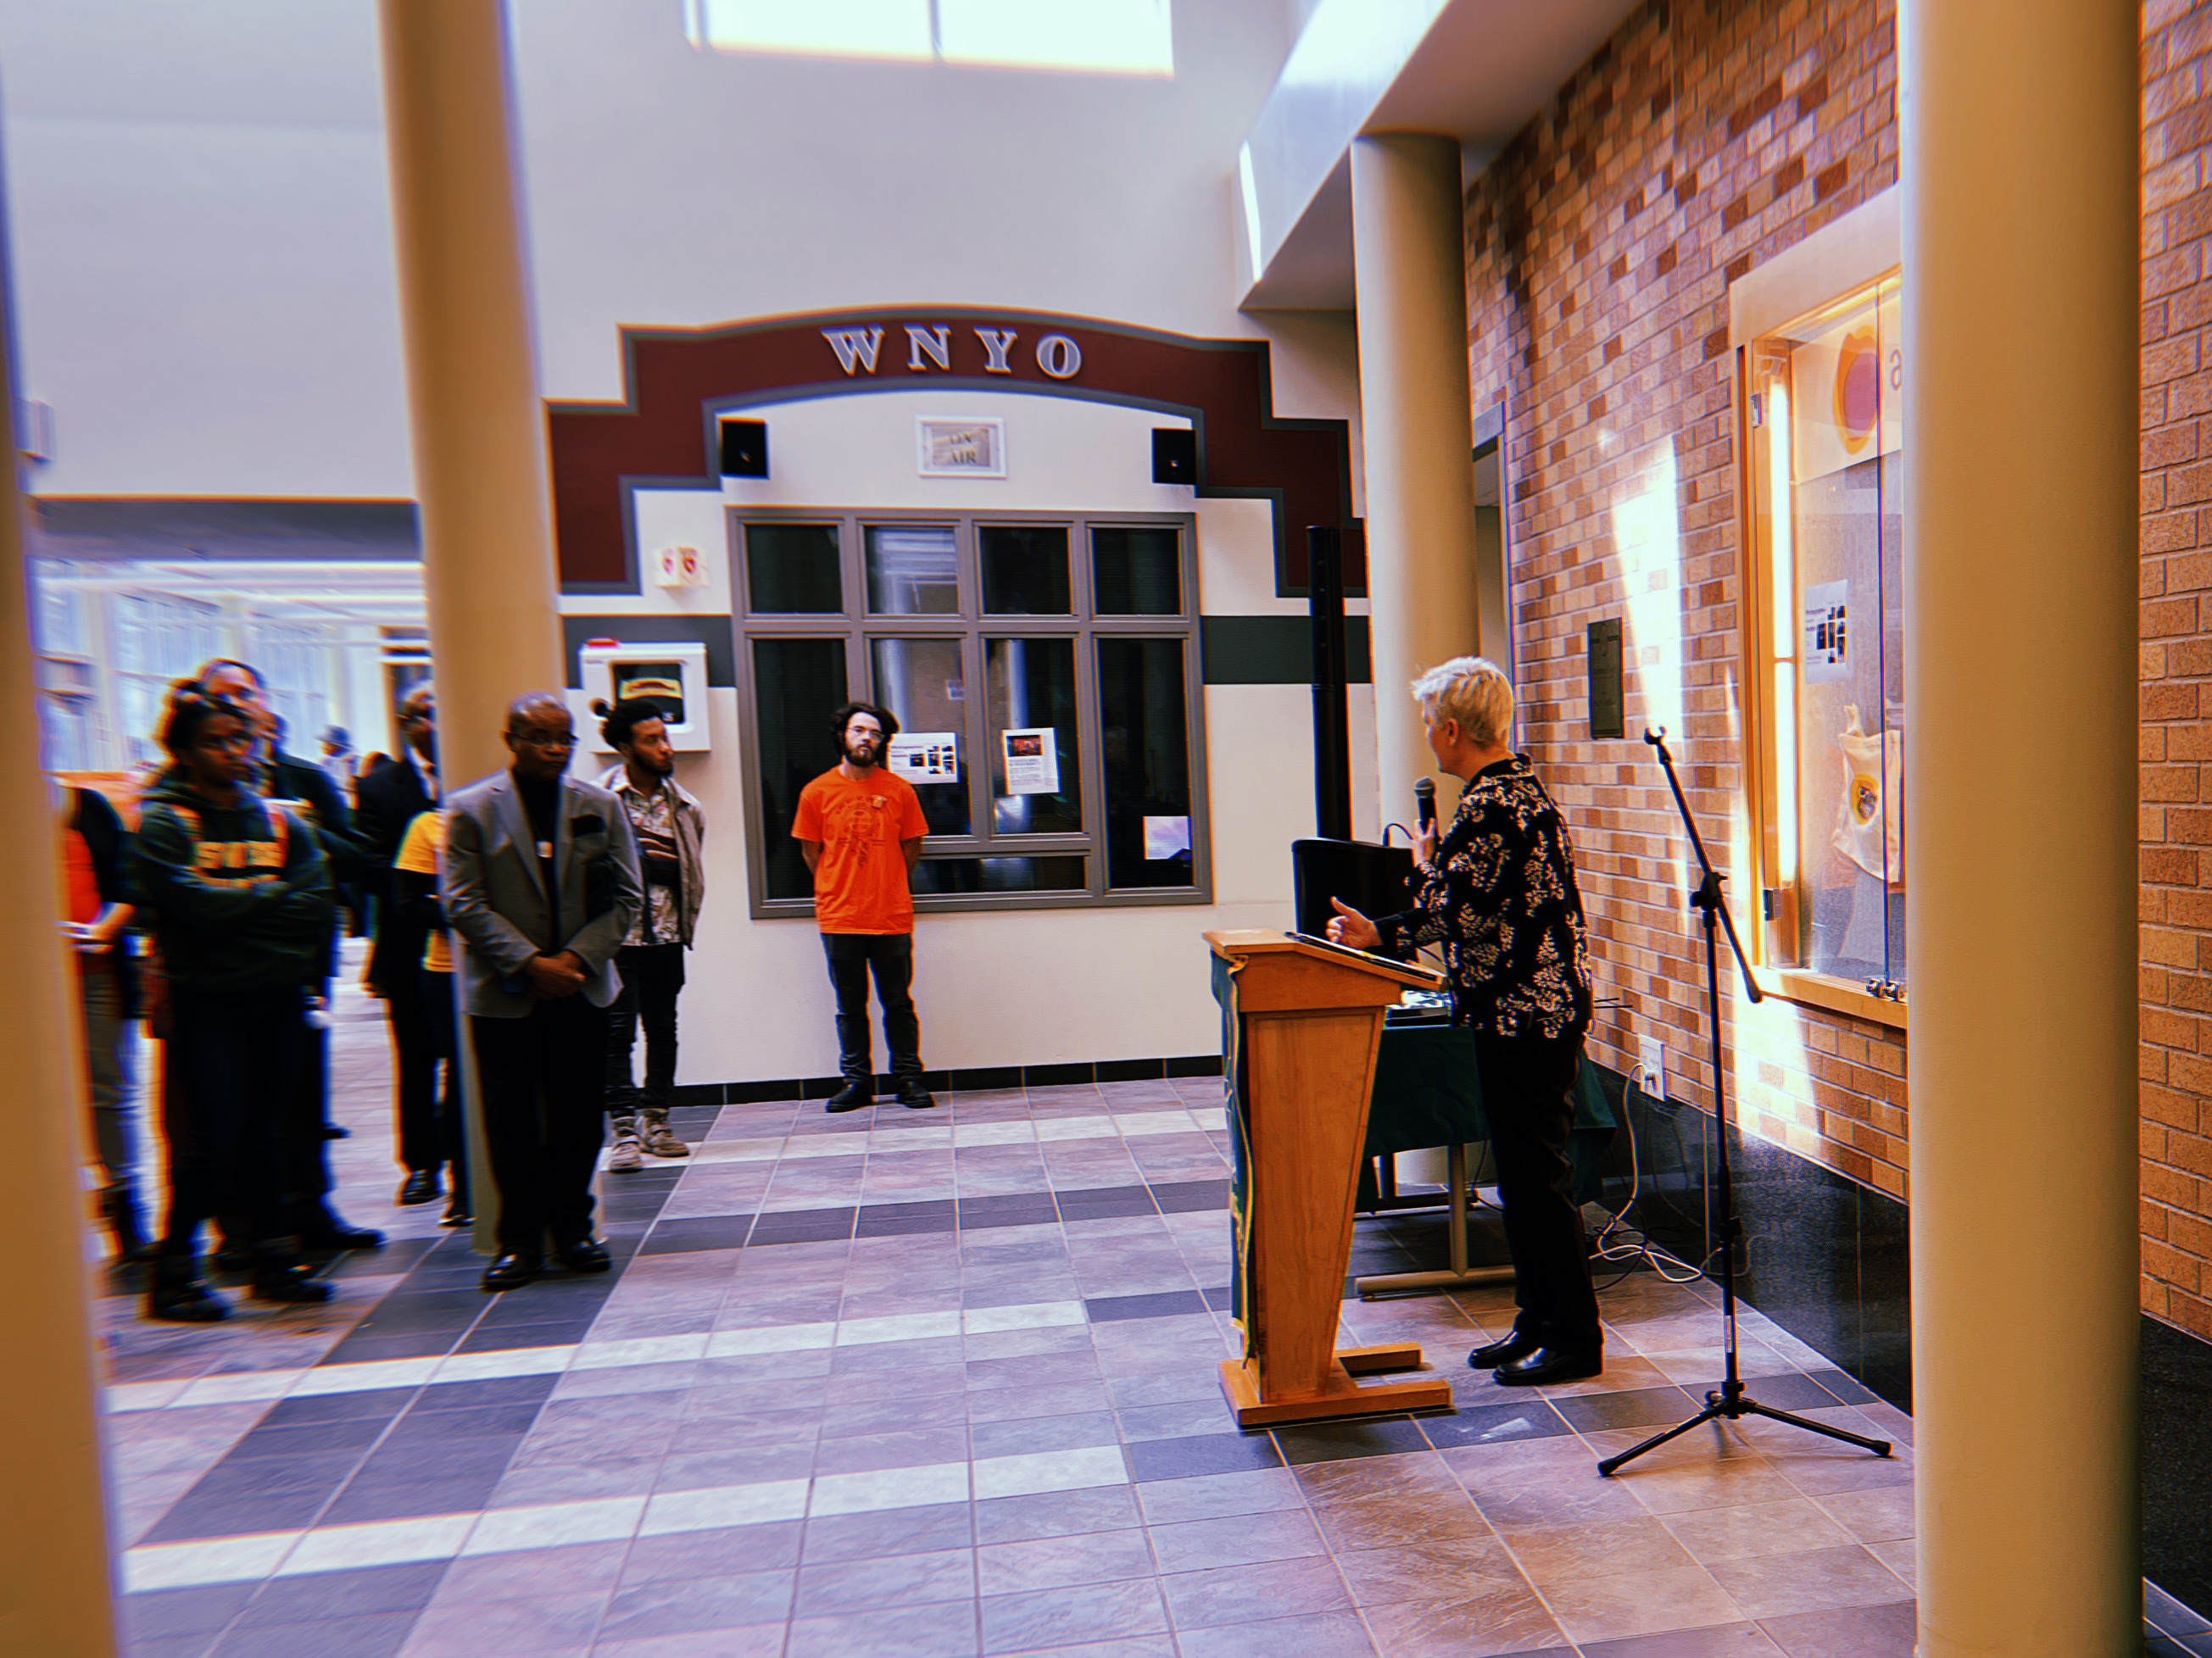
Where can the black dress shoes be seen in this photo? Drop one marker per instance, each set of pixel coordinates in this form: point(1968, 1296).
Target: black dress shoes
point(457, 1214)
point(852, 1096)
point(582, 1255)
point(1516, 1345)
point(913, 1097)
point(1543, 1367)
point(512, 1271)
point(420, 1186)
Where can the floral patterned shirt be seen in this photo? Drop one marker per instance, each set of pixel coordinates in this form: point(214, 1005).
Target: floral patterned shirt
point(1501, 895)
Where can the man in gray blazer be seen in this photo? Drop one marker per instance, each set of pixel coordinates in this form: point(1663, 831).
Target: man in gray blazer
point(540, 881)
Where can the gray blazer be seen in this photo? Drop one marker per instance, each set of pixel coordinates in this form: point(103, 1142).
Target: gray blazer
point(494, 894)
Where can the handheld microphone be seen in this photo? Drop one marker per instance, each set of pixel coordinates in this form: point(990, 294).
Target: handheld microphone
point(1425, 805)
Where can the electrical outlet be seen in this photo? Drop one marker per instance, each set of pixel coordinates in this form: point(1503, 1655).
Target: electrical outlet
point(1651, 1068)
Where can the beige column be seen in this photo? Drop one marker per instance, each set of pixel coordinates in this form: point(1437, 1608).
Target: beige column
point(1411, 282)
point(55, 1582)
point(2019, 173)
point(479, 427)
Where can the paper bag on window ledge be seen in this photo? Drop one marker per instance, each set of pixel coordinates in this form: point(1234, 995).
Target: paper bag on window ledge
point(1870, 817)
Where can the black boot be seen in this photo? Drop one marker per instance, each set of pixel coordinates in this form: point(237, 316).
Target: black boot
point(280, 1275)
point(177, 1296)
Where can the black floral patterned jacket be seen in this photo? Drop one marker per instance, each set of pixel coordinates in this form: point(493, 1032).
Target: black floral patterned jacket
point(1501, 895)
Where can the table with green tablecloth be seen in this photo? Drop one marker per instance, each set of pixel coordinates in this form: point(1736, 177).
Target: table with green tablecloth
point(1427, 1093)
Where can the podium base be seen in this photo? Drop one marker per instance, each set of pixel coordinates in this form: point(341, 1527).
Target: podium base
point(1339, 1395)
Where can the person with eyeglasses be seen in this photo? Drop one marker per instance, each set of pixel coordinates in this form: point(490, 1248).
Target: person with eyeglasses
point(540, 880)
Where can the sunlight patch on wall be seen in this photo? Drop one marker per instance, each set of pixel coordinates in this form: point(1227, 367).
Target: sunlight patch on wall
point(1647, 537)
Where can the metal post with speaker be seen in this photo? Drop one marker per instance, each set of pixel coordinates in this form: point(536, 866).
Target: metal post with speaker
point(1331, 687)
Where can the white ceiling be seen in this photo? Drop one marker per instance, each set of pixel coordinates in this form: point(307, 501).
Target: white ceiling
point(1478, 73)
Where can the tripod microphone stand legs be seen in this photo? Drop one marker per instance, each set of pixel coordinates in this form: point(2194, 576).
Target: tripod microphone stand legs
point(1727, 1401)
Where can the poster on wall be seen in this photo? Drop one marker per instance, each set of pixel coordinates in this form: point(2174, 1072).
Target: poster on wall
point(1847, 391)
point(1166, 838)
point(960, 448)
point(678, 567)
point(1822, 652)
point(926, 756)
point(1032, 759)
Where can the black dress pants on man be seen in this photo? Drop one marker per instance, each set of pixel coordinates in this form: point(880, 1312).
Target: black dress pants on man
point(889, 956)
point(652, 980)
point(415, 1066)
point(544, 1082)
point(1526, 1094)
point(233, 1064)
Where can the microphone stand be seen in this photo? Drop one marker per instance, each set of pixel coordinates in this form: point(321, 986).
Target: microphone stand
point(1729, 1401)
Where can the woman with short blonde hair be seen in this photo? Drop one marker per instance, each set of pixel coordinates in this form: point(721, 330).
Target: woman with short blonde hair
point(1473, 690)
point(1498, 892)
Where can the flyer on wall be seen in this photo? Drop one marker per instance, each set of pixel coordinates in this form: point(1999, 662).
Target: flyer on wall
point(1032, 755)
point(926, 756)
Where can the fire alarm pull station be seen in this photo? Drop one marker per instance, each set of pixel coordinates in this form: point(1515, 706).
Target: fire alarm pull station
point(671, 673)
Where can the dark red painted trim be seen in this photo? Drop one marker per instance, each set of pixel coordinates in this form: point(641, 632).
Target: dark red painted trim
point(663, 432)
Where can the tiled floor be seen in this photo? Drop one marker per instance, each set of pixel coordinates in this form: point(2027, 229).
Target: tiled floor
point(906, 1383)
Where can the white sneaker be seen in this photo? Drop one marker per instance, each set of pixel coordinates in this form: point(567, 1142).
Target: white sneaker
point(624, 1159)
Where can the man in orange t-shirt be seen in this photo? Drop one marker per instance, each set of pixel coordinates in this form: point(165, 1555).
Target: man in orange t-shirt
point(861, 829)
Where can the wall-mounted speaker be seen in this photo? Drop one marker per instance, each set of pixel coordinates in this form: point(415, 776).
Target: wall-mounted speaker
point(744, 448)
point(1175, 455)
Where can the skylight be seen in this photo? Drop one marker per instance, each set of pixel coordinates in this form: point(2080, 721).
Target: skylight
point(1099, 37)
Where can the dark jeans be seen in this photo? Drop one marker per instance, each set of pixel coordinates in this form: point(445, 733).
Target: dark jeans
point(889, 956)
point(234, 1063)
point(1525, 1094)
point(652, 979)
point(107, 1068)
point(306, 1148)
point(415, 1065)
point(542, 1078)
point(433, 995)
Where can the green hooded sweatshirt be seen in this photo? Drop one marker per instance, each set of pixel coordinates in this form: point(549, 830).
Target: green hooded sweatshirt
point(241, 895)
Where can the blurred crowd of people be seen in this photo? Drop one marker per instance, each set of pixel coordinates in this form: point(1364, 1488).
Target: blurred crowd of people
point(207, 897)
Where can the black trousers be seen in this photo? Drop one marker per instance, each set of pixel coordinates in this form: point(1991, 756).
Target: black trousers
point(234, 1063)
point(434, 996)
point(542, 1081)
point(652, 979)
point(1526, 1083)
point(414, 1067)
point(889, 956)
point(306, 1148)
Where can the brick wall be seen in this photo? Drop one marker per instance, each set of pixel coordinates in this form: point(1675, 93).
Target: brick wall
point(2176, 733)
point(1704, 139)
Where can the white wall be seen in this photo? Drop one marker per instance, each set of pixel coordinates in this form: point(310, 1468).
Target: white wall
point(1003, 986)
point(202, 233)
point(201, 239)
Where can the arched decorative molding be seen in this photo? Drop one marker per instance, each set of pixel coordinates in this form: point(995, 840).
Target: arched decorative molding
point(678, 381)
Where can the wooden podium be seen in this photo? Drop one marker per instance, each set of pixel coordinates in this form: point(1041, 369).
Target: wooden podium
point(1307, 1019)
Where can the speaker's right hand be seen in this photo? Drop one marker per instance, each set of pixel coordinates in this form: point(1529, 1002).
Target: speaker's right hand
point(1350, 928)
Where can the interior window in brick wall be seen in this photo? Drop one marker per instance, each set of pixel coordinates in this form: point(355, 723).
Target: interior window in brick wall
point(1826, 465)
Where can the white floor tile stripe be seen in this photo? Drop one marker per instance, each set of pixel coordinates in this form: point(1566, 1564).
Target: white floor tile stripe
point(378, 1543)
point(252, 1386)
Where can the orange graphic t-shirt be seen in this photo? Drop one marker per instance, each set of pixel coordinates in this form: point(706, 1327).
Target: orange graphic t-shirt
point(859, 880)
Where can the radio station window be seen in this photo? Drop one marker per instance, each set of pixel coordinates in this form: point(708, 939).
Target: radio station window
point(1043, 671)
point(1825, 466)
